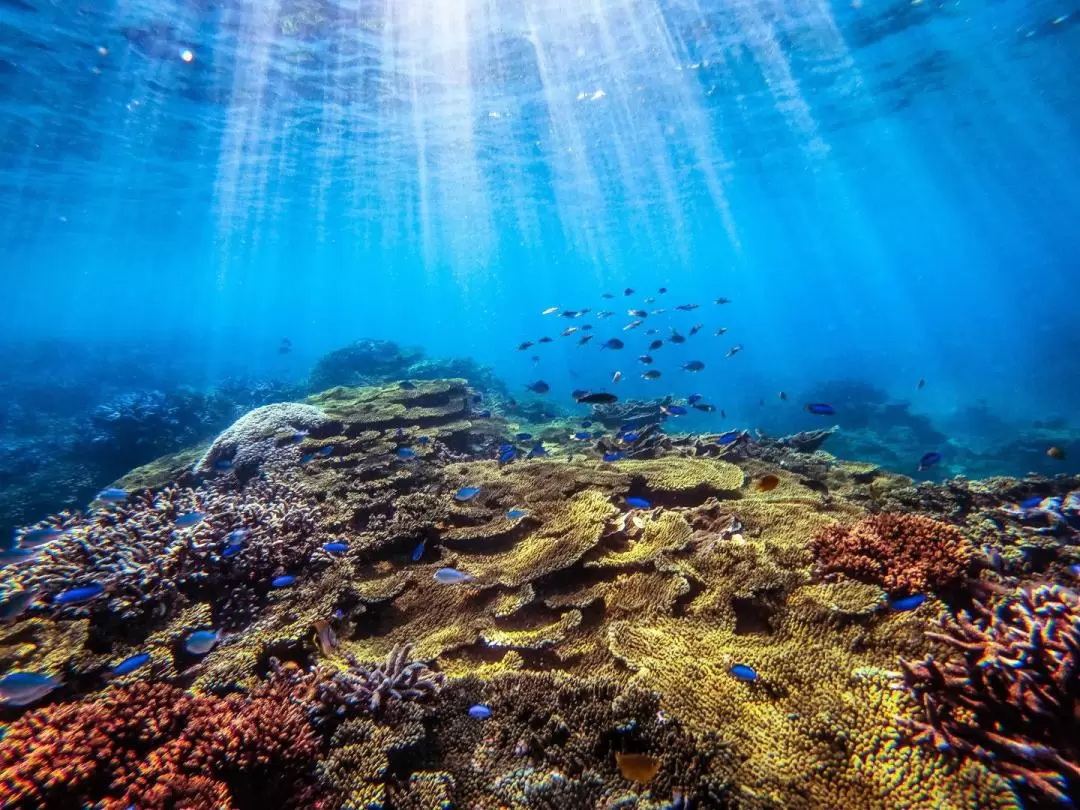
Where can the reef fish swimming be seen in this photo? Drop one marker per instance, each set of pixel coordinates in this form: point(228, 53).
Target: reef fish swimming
point(929, 460)
point(200, 642)
point(112, 495)
point(907, 602)
point(418, 552)
point(480, 711)
point(514, 514)
point(451, 576)
point(76, 596)
point(40, 537)
point(129, 665)
point(189, 520)
point(466, 493)
point(599, 398)
point(638, 503)
point(21, 688)
point(743, 672)
point(284, 581)
point(820, 409)
point(336, 547)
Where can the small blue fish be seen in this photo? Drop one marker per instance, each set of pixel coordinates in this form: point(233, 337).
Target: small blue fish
point(39, 537)
point(237, 536)
point(537, 451)
point(484, 414)
point(586, 423)
point(284, 581)
point(336, 547)
point(907, 602)
point(581, 436)
point(507, 456)
point(694, 398)
point(673, 410)
point(15, 556)
point(304, 459)
point(638, 503)
point(480, 711)
point(1031, 503)
point(451, 576)
point(21, 688)
point(112, 495)
point(728, 438)
point(200, 642)
point(929, 460)
point(223, 465)
point(190, 519)
point(232, 551)
point(418, 552)
point(1074, 569)
point(298, 436)
point(466, 493)
point(631, 437)
point(523, 436)
point(405, 452)
point(323, 452)
point(514, 514)
point(78, 595)
point(616, 456)
point(820, 409)
point(743, 672)
point(129, 665)
point(422, 441)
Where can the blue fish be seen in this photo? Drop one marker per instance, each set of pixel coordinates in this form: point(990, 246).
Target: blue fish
point(237, 536)
point(405, 452)
point(1074, 569)
point(694, 398)
point(39, 537)
point(631, 437)
point(284, 581)
point(514, 514)
point(929, 460)
point(418, 552)
point(78, 595)
point(586, 423)
point(582, 436)
point(907, 602)
point(484, 414)
point(232, 551)
point(129, 665)
point(673, 410)
point(523, 436)
point(451, 576)
point(200, 642)
point(466, 493)
point(480, 711)
point(336, 547)
point(537, 451)
point(638, 503)
point(820, 409)
point(728, 438)
point(743, 672)
point(14, 556)
point(21, 688)
point(304, 459)
point(223, 465)
point(422, 441)
point(323, 452)
point(505, 446)
point(1031, 503)
point(507, 456)
point(616, 456)
point(112, 495)
point(186, 521)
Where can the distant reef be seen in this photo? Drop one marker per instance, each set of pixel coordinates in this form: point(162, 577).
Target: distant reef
point(381, 597)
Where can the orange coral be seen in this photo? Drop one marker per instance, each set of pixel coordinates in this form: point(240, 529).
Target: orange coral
point(155, 746)
point(900, 552)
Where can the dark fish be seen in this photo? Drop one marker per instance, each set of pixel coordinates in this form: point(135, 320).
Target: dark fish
point(907, 602)
point(723, 413)
point(614, 343)
point(694, 398)
point(570, 313)
point(676, 337)
point(638, 503)
point(646, 359)
point(599, 398)
point(586, 423)
point(722, 301)
point(628, 291)
point(129, 665)
point(537, 451)
point(673, 410)
point(630, 437)
point(523, 346)
point(607, 295)
point(651, 375)
point(820, 409)
point(761, 401)
point(662, 290)
point(631, 325)
point(284, 581)
point(929, 460)
point(816, 486)
point(652, 332)
point(539, 387)
point(232, 550)
point(578, 392)
point(484, 414)
point(1056, 453)
point(568, 331)
point(702, 406)
point(734, 350)
point(405, 385)
point(586, 327)
point(743, 672)
point(920, 385)
point(584, 339)
point(223, 465)
point(535, 358)
point(687, 307)
point(544, 339)
point(782, 395)
point(78, 595)
point(656, 344)
point(422, 440)
point(637, 313)
point(524, 437)
point(722, 330)
point(695, 329)
point(693, 365)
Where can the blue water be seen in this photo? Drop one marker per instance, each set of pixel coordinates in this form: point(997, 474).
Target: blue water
point(886, 191)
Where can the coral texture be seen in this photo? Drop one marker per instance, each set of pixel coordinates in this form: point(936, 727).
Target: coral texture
point(900, 552)
point(258, 434)
point(1011, 696)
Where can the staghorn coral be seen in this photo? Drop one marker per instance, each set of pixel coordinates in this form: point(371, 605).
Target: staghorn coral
point(261, 435)
point(154, 746)
point(1011, 696)
point(900, 552)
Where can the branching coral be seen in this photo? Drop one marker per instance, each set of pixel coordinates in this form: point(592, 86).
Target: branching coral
point(1012, 697)
point(155, 747)
point(900, 552)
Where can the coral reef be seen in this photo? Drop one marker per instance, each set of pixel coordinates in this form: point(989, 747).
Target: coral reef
point(262, 433)
point(1010, 695)
point(900, 552)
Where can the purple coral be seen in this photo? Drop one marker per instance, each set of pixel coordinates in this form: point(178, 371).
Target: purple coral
point(1012, 697)
point(359, 688)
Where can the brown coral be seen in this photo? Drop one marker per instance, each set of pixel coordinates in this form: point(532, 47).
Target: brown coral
point(900, 552)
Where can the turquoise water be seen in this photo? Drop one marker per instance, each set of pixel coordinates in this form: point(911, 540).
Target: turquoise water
point(885, 191)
